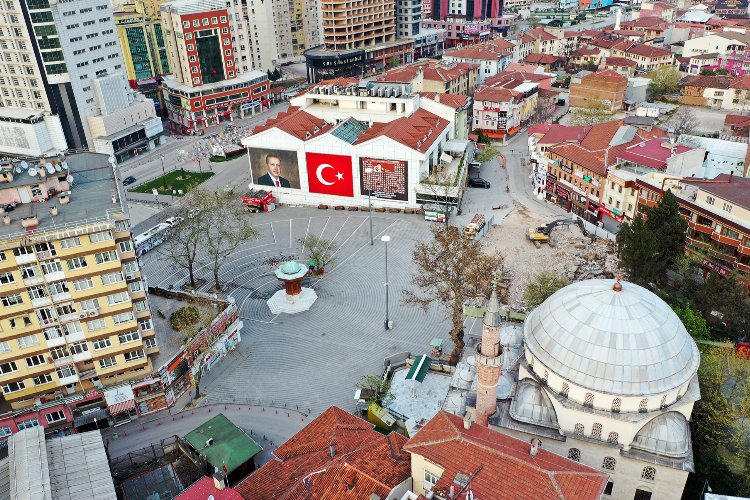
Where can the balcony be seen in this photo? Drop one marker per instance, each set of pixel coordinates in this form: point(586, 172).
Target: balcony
point(60, 297)
point(62, 361)
point(46, 254)
point(41, 302)
point(698, 243)
point(33, 280)
point(55, 276)
point(56, 342)
point(25, 259)
point(744, 250)
point(725, 239)
point(82, 356)
point(648, 203)
point(67, 318)
point(76, 337)
point(69, 380)
point(700, 227)
point(742, 267)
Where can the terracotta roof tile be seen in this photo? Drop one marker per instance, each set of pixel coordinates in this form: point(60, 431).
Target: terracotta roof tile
point(455, 101)
point(495, 94)
point(705, 81)
point(742, 82)
point(501, 467)
point(296, 122)
point(535, 58)
point(431, 69)
point(417, 131)
point(490, 50)
point(641, 49)
point(618, 61)
point(606, 75)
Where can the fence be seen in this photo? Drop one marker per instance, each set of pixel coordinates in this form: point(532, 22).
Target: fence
point(595, 230)
point(124, 464)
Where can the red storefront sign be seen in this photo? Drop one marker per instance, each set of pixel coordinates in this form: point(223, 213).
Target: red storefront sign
point(608, 212)
point(718, 268)
point(491, 108)
point(562, 193)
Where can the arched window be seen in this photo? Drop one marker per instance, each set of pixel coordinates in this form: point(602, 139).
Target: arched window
point(613, 438)
point(663, 401)
point(578, 429)
point(609, 463)
point(564, 390)
point(574, 454)
point(648, 473)
point(588, 402)
point(596, 431)
point(616, 405)
point(545, 377)
point(643, 407)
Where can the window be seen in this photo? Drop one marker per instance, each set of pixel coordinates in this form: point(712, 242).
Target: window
point(6, 278)
point(545, 377)
point(613, 438)
point(90, 305)
point(8, 367)
point(51, 267)
point(65, 371)
point(45, 247)
point(190, 46)
point(141, 306)
point(42, 379)
point(22, 251)
point(107, 362)
point(123, 318)
point(124, 338)
point(73, 328)
point(616, 404)
point(588, 401)
point(121, 226)
point(643, 406)
point(83, 284)
point(118, 298)
point(126, 246)
point(65, 309)
point(4, 347)
point(574, 454)
point(11, 300)
point(648, 473)
point(150, 342)
point(55, 416)
point(58, 352)
point(564, 390)
point(710, 200)
point(430, 478)
point(596, 431)
point(28, 272)
point(79, 348)
point(97, 324)
point(14, 387)
point(101, 344)
point(608, 488)
point(108, 256)
point(578, 429)
point(642, 495)
point(146, 325)
point(663, 402)
point(70, 243)
point(99, 237)
point(108, 279)
point(37, 292)
point(27, 424)
point(77, 263)
point(28, 341)
point(133, 355)
point(609, 463)
point(35, 360)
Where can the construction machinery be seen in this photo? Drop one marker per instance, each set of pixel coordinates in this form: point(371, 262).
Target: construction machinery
point(541, 234)
point(472, 228)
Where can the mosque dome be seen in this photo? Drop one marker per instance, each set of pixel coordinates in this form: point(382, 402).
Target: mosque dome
point(621, 340)
point(667, 435)
point(532, 405)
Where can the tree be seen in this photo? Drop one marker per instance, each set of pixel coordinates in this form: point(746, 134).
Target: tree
point(443, 191)
point(450, 269)
point(635, 246)
point(319, 250)
point(665, 80)
point(694, 322)
point(668, 227)
point(227, 226)
point(375, 390)
point(595, 112)
point(197, 345)
point(185, 241)
point(542, 285)
point(707, 72)
point(721, 71)
point(683, 121)
point(276, 74)
point(487, 153)
point(722, 301)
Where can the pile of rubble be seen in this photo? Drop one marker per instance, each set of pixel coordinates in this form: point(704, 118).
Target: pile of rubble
point(570, 253)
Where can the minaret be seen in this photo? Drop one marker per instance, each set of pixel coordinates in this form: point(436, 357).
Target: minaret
point(489, 362)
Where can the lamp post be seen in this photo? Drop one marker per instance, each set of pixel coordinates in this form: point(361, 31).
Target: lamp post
point(385, 239)
point(163, 173)
point(368, 170)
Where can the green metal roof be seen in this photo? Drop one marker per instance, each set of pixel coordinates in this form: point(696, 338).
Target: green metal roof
point(231, 446)
point(436, 343)
point(349, 130)
point(419, 369)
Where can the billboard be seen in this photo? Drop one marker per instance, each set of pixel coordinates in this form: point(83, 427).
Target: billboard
point(386, 179)
point(274, 167)
point(330, 174)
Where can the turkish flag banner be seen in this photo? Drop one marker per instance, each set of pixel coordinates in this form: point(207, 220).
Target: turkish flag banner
point(330, 174)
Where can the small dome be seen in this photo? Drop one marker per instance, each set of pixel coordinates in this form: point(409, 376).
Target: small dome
point(667, 434)
point(532, 405)
point(291, 267)
point(627, 342)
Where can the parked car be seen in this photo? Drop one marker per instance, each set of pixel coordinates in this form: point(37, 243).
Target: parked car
point(479, 182)
point(128, 181)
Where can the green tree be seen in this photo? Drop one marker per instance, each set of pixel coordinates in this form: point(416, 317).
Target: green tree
point(542, 285)
point(635, 245)
point(375, 390)
point(665, 80)
point(276, 74)
point(694, 322)
point(318, 249)
point(721, 71)
point(668, 227)
point(595, 112)
point(487, 153)
point(722, 300)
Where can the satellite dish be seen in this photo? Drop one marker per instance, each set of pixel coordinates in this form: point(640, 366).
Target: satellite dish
point(24, 165)
point(18, 170)
point(58, 168)
point(65, 165)
point(69, 179)
point(32, 172)
point(50, 168)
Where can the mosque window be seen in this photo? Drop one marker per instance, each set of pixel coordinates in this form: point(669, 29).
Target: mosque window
point(613, 438)
point(578, 429)
point(648, 473)
point(574, 454)
point(663, 403)
point(545, 377)
point(643, 407)
point(609, 463)
point(596, 431)
point(616, 404)
point(564, 390)
point(588, 402)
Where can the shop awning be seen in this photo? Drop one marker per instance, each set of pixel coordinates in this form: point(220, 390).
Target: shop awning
point(124, 406)
point(100, 414)
point(419, 369)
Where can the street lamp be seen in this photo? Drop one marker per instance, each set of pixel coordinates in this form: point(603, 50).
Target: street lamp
point(368, 170)
point(163, 173)
point(385, 239)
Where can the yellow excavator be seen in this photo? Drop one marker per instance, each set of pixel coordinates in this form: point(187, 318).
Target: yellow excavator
point(541, 234)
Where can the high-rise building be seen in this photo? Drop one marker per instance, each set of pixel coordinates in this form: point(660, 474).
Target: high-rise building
point(408, 17)
point(70, 69)
point(470, 10)
point(208, 85)
point(75, 313)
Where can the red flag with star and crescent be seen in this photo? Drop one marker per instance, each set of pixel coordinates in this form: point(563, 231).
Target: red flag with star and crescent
point(330, 174)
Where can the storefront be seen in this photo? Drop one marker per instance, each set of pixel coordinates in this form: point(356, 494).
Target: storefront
point(149, 396)
point(175, 377)
point(611, 218)
point(563, 196)
point(121, 404)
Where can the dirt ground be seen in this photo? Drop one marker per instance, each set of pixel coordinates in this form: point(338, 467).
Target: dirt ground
point(570, 252)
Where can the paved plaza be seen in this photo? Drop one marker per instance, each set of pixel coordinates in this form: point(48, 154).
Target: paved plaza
point(314, 359)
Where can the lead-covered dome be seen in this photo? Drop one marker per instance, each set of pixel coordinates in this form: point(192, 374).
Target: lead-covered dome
point(627, 342)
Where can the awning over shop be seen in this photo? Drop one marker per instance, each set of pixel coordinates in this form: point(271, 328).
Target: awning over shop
point(100, 414)
point(419, 369)
point(122, 407)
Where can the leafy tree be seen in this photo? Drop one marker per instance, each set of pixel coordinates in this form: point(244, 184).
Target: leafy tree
point(694, 322)
point(542, 285)
point(276, 74)
point(665, 80)
point(199, 347)
point(721, 71)
point(595, 112)
point(269, 73)
point(708, 72)
point(487, 153)
point(185, 241)
point(184, 317)
point(441, 185)
point(635, 245)
point(375, 390)
point(723, 301)
point(668, 227)
point(450, 269)
point(318, 249)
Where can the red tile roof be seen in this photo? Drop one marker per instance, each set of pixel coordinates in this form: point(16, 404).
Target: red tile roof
point(364, 462)
point(736, 121)
point(535, 58)
point(540, 34)
point(705, 81)
point(490, 50)
point(586, 51)
point(455, 101)
point(417, 131)
point(742, 82)
point(500, 467)
point(619, 61)
point(653, 153)
point(734, 189)
point(495, 94)
point(641, 49)
point(296, 122)
point(557, 134)
point(431, 70)
point(606, 75)
point(205, 488)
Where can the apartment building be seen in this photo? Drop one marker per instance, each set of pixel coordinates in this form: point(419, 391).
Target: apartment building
point(605, 87)
point(75, 313)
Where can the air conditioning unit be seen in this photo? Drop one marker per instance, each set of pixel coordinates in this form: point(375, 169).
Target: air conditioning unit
point(82, 315)
point(129, 277)
point(93, 313)
point(209, 442)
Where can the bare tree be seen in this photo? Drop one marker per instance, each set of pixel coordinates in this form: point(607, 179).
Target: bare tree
point(595, 112)
point(683, 121)
point(318, 249)
point(184, 243)
point(450, 269)
point(443, 190)
point(227, 226)
point(199, 345)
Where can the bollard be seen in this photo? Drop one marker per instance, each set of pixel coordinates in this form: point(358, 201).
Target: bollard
point(288, 415)
point(277, 412)
point(264, 408)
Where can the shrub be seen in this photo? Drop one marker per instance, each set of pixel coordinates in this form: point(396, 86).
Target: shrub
point(184, 317)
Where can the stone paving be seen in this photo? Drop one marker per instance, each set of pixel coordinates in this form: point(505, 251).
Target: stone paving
point(314, 359)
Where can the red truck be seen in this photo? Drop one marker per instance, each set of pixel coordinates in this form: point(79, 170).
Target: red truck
point(259, 200)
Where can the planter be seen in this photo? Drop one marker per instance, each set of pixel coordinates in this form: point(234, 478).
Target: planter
point(419, 211)
point(380, 209)
point(352, 209)
point(364, 209)
point(30, 221)
point(394, 210)
point(64, 200)
point(339, 207)
point(408, 210)
point(323, 207)
point(53, 210)
point(6, 219)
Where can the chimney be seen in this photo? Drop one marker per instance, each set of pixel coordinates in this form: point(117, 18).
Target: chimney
point(535, 445)
point(437, 97)
point(53, 210)
point(467, 422)
point(331, 450)
point(219, 481)
point(618, 18)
